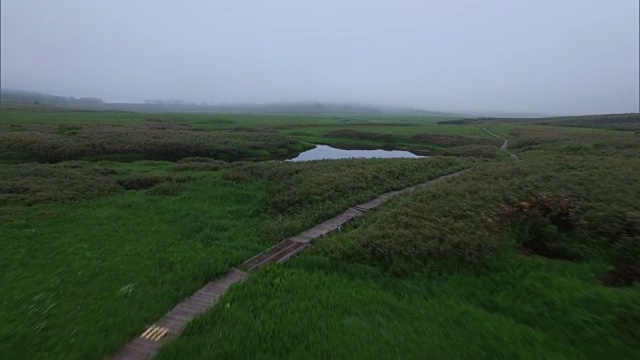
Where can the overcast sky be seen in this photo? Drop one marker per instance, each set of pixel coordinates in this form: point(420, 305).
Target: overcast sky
point(560, 56)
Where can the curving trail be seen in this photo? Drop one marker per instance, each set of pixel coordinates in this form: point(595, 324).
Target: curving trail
point(486, 129)
point(147, 345)
point(505, 144)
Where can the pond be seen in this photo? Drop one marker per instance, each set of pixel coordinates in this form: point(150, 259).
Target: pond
point(321, 152)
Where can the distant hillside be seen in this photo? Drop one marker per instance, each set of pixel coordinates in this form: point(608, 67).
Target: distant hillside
point(293, 108)
point(7, 95)
point(20, 97)
point(630, 122)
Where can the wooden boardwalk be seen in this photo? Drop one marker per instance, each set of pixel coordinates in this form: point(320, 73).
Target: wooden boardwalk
point(171, 325)
point(148, 344)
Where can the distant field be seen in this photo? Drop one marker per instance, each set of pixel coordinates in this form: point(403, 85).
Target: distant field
point(625, 122)
point(505, 128)
point(208, 121)
point(46, 114)
point(435, 136)
point(612, 121)
point(406, 129)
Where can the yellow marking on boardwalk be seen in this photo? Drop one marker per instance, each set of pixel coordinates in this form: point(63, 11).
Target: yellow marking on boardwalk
point(154, 333)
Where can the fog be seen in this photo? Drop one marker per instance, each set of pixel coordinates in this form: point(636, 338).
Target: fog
point(561, 57)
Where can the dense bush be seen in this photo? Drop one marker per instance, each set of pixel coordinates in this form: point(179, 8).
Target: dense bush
point(36, 183)
point(550, 137)
point(543, 224)
point(450, 140)
point(152, 140)
point(306, 193)
point(438, 229)
point(171, 188)
point(480, 151)
point(325, 182)
point(145, 182)
point(454, 224)
point(625, 253)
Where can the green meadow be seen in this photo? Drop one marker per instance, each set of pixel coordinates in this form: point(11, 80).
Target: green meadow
point(109, 219)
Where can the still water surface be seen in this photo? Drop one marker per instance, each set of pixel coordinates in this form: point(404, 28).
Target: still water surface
point(327, 152)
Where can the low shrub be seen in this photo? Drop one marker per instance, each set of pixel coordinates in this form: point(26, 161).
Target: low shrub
point(625, 253)
point(449, 140)
point(578, 208)
point(322, 183)
point(199, 164)
point(69, 129)
point(306, 193)
point(161, 141)
point(436, 230)
point(587, 142)
point(543, 224)
point(480, 151)
point(34, 183)
point(146, 182)
point(168, 189)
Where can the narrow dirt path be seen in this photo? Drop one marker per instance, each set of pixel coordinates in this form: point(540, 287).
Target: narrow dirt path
point(486, 129)
point(504, 147)
point(147, 345)
point(505, 144)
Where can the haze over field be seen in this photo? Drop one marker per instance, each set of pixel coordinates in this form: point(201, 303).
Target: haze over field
point(563, 57)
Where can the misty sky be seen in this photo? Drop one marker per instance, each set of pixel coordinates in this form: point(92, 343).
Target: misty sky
point(562, 56)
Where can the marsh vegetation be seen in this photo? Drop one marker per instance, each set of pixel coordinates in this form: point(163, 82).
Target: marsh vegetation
point(100, 213)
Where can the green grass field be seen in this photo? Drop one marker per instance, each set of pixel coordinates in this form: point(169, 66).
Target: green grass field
point(82, 277)
point(109, 219)
point(444, 273)
point(85, 271)
point(52, 115)
point(534, 308)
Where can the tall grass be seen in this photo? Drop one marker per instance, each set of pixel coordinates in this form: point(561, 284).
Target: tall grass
point(153, 140)
point(314, 308)
point(93, 252)
point(461, 269)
